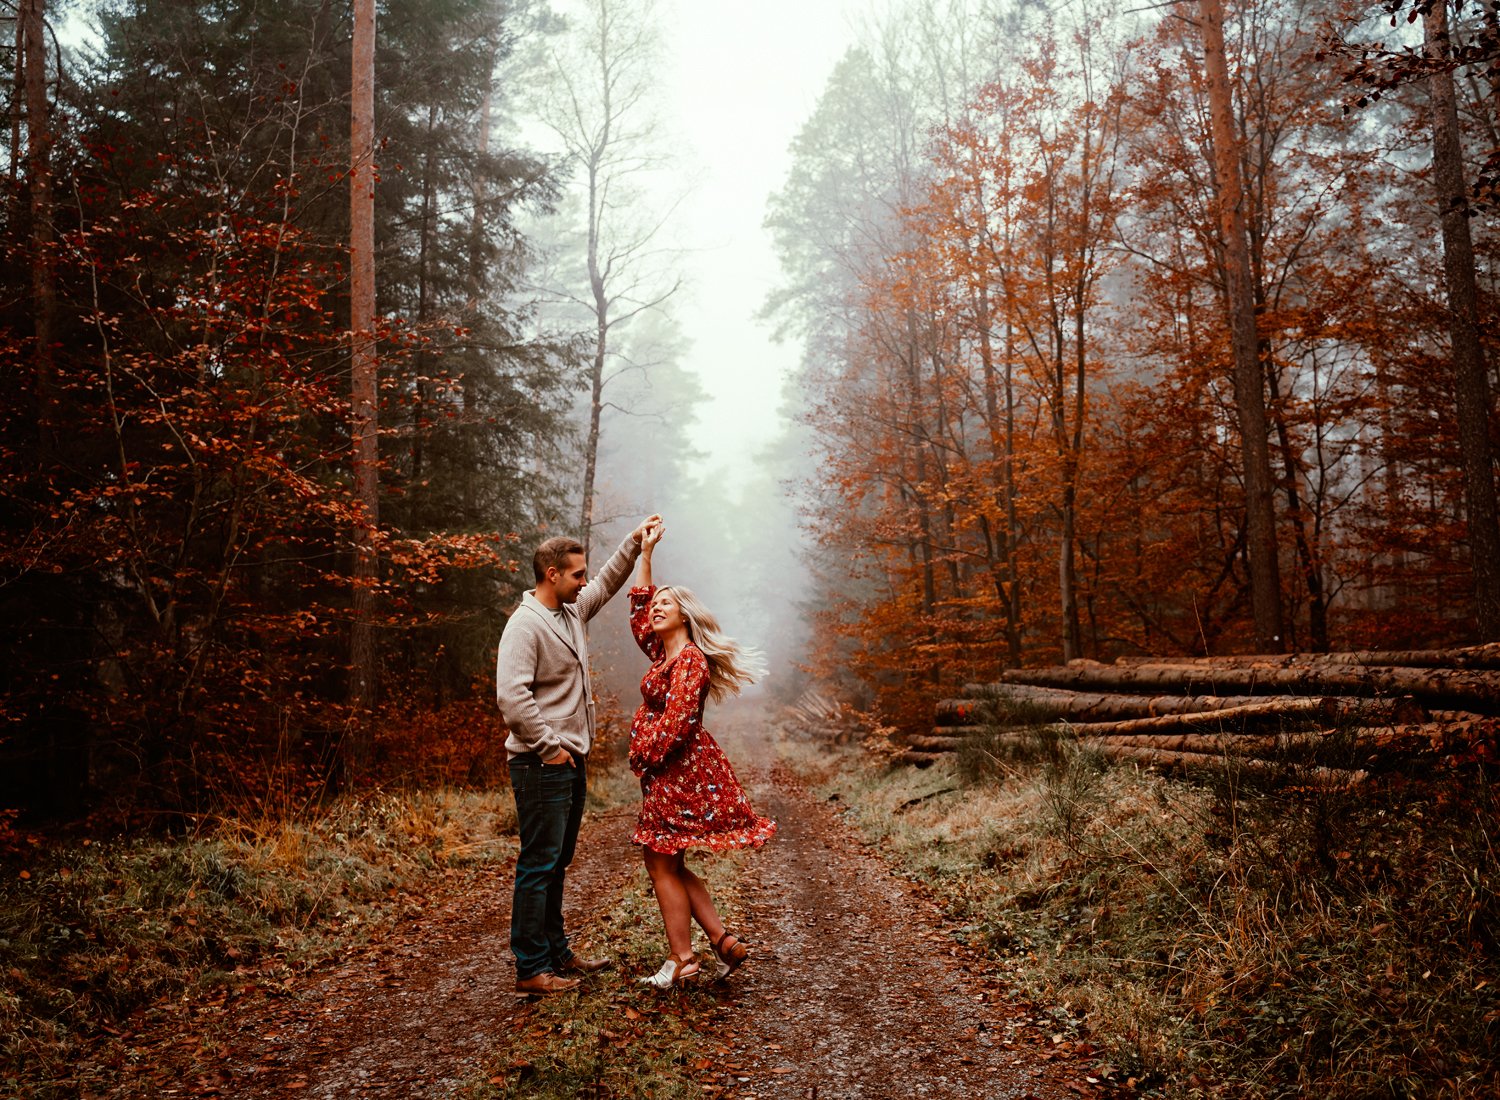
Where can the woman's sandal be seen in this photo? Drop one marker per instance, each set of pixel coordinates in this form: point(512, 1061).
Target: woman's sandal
point(729, 958)
point(673, 971)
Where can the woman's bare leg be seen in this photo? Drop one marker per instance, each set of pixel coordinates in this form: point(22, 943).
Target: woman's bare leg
point(666, 872)
point(702, 904)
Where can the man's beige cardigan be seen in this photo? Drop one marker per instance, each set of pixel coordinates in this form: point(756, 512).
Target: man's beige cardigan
point(542, 671)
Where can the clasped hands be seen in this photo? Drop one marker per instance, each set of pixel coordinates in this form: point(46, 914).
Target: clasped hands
point(649, 533)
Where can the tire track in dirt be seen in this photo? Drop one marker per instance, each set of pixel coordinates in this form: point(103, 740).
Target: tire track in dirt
point(855, 990)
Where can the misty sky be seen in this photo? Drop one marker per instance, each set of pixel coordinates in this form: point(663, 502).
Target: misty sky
point(740, 81)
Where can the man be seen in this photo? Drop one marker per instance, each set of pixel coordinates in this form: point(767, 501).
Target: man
point(542, 685)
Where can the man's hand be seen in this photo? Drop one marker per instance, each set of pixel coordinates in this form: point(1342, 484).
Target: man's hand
point(640, 532)
point(563, 757)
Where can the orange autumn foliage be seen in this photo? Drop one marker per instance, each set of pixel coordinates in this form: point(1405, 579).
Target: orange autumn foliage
point(1028, 432)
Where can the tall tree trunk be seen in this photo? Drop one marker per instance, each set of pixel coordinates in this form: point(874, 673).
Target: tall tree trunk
point(1012, 494)
point(597, 285)
point(478, 229)
point(917, 431)
point(1312, 572)
point(954, 445)
point(424, 306)
point(1296, 513)
point(1001, 558)
point(1249, 383)
point(1470, 381)
point(33, 34)
point(18, 103)
point(596, 401)
point(601, 349)
point(365, 459)
point(1059, 370)
point(1072, 464)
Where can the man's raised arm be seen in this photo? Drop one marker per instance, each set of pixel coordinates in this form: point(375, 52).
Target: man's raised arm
point(615, 573)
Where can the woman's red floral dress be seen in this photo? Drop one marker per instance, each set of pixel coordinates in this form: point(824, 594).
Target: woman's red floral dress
point(690, 797)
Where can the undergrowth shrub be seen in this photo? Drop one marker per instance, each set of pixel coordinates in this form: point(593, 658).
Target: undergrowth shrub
point(1013, 733)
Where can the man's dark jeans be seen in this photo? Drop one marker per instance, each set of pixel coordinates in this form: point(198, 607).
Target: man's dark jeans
point(549, 809)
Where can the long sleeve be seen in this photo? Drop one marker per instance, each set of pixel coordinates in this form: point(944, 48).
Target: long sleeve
point(640, 622)
point(515, 673)
point(608, 580)
point(656, 737)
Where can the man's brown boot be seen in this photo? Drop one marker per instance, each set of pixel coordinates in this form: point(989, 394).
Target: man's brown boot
point(575, 965)
point(539, 985)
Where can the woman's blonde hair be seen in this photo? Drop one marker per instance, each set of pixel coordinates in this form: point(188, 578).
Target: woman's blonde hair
point(730, 665)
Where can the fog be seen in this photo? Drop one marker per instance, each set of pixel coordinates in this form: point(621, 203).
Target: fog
point(693, 426)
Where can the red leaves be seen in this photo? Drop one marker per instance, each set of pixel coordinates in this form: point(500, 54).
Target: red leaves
point(203, 489)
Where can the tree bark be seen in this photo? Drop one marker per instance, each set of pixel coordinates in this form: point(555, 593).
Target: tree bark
point(1453, 688)
point(597, 277)
point(1039, 705)
point(940, 740)
point(1213, 762)
point(1249, 382)
point(916, 430)
point(1312, 567)
point(999, 558)
point(478, 228)
point(1479, 656)
point(17, 110)
point(1470, 377)
point(363, 367)
point(1018, 704)
point(1229, 720)
point(425, 232)
point(596, 379)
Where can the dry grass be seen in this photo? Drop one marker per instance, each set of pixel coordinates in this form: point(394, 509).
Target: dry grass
point(94, 930)
point(1283, 938)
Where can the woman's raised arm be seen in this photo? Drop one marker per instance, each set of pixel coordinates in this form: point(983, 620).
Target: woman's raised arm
point(640, 597)
point(649, 538)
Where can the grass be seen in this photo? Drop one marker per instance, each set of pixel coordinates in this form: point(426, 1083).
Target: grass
point(616, 1037)
point(94, 930)
point(1257, 935)
point(91, 931)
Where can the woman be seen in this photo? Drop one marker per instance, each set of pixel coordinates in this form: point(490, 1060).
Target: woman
point(689, 794)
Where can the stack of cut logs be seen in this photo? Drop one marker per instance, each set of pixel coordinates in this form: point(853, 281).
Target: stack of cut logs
point(1205, 711)
point(817, 717)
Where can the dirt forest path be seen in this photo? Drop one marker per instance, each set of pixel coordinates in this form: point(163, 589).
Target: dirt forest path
point(854, 991)
point(412, 1015)
point(857, 990)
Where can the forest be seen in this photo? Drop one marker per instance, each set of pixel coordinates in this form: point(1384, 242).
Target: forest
point(236, 572)
point(1119, 337)
point(1158, 331)
point(1162, 334)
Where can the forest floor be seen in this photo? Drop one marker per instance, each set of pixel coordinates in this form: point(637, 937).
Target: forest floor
point(856, 988)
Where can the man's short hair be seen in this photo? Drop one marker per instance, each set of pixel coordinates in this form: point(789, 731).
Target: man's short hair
point(553, 554)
